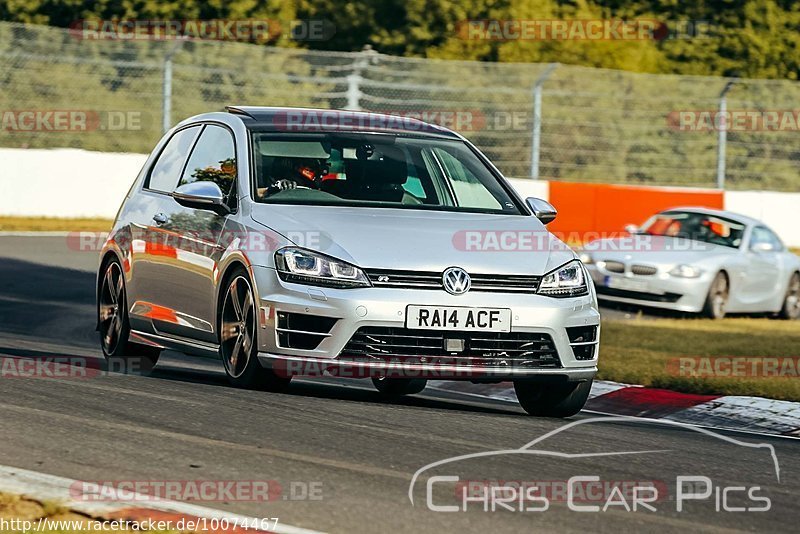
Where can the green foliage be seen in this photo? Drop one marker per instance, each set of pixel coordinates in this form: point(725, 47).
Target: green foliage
point(747, 38)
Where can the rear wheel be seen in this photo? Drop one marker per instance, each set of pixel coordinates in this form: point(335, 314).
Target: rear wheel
point(717, 299)
point(396, 387)
point(238, 348)
point(791, 304)
point(114, 327)
point(552, 400)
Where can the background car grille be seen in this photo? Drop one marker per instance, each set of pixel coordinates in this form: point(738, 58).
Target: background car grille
point(615, 267)
point(497, 283)
point(643, 270)
point(492, 349)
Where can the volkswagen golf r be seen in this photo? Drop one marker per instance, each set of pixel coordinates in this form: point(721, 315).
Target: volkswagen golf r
point(294, 242)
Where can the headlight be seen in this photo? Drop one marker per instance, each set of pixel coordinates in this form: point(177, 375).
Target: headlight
point(566, 281)
point(312, 268)
point(586, 258)
point(686, 271)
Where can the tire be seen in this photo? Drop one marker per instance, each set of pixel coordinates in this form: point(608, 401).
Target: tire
point(397, 387)
point(114, 326)
point(791, 304)
point(717, 299)
point(238, 347)
point(552, 400)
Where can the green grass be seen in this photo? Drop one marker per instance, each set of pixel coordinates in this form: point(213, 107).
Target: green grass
point(639, 352)
point(53, 224)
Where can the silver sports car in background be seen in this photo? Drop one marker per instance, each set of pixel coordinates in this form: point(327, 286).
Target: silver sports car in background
point(698, 260)
point(292, 242)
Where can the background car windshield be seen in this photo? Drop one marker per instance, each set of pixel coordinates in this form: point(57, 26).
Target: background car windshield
point(376, 171)
point(696, 226)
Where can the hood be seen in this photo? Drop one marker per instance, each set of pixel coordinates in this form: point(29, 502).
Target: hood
point(655, 250)
point(419, 240)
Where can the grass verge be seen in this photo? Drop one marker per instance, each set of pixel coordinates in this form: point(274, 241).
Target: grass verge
point(53, 224)
point(646, 353)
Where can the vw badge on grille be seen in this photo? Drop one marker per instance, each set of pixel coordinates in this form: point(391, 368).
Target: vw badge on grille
point(456, 281)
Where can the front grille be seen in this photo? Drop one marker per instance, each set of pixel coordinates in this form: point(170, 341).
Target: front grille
point(488, 349)
point(644, 270)
point(301, 331)
point(638, 295)
point(496, 283)
point(615, 266)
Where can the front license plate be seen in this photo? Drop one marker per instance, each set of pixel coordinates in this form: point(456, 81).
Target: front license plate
point(458, 318)
point(627, 284)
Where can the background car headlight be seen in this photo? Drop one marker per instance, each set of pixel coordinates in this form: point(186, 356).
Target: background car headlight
point(686, 271)
point(567, 281)
point(312, 268)
point(586, 258)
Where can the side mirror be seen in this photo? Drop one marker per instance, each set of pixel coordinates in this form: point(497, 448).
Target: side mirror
point(202, 195)
point(541, 209)
point(632, 229)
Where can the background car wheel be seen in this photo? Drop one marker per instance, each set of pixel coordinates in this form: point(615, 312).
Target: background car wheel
point(396, 387)
point(552, 400)
point(717, 299)
point(114, 327)
point(791, 304)
point(238, 346)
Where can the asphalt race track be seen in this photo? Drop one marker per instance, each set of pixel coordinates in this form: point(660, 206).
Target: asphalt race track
point(357, 452)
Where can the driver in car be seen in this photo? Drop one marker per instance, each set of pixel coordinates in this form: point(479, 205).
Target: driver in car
point(291, 173)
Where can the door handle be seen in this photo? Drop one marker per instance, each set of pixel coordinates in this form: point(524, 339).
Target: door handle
point(160, 218)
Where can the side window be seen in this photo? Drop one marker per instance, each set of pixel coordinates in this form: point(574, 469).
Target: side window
point(168, 167)
point(762, 235)
point(213, 159)
point(468, 189)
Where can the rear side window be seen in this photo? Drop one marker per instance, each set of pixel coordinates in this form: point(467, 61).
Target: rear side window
point(213, 159)
point(166, 172)
point(763, 235)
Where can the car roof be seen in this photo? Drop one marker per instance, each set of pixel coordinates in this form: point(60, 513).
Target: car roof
point(738, 217)
point(314, 120)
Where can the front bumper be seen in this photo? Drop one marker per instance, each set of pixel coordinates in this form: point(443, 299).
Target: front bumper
point(386, 307)
point(657, 291)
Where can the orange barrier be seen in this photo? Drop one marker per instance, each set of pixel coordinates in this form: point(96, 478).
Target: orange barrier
point(606, 209)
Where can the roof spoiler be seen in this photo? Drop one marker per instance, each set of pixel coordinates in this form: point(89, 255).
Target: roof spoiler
point(238, 111)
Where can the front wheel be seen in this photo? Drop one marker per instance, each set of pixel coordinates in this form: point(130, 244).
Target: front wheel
point(396, 387)
point(791, 304)
point(552, 400)
point(238, 348)
point(717, 299)
point(114, 327)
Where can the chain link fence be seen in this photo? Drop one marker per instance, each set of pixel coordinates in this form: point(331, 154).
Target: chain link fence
point(584, 124)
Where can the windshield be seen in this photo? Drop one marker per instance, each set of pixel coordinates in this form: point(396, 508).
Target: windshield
point(695, 226)
point(376, 171)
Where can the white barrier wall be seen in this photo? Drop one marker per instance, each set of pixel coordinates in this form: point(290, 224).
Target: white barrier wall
point(68, 182)
point(65, 182)
point(780, 211)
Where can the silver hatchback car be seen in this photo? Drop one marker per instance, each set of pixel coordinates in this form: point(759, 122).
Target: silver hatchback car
point(296, 242)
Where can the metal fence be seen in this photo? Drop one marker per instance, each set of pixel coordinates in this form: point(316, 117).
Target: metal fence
point(547, 121)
